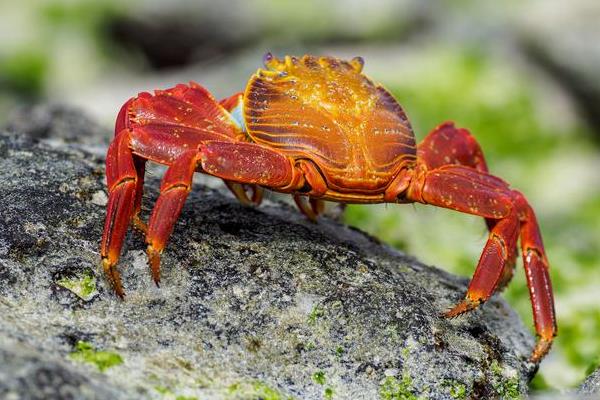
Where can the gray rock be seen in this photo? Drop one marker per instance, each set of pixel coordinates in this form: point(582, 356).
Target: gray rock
point(592, 384)
point(57, 122)
point(28, 373)
point(254, 303)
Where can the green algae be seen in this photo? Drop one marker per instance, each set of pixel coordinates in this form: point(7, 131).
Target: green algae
point(162, 390)
point(316, 313)
point(393, 389)
point(507, 387)
point(168, 394)
point(254, 390)
point(458, 390)
point(85, 352)
point(319, 377)
point(83, 286)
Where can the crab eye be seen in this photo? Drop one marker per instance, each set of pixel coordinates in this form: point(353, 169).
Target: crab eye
point(358, 63)
point(267, 58)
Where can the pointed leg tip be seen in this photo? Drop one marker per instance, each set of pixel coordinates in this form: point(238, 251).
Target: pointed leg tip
point(120, 294)
point(542, 347)
point(240, 192)
point(113, 277)
point(154, 263)
point(464, 306)
point(257, 195)
point(452, 313)
point(306, 208)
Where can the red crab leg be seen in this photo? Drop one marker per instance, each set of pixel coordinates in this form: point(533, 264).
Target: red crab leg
point(123, 122)
point(538, 278)
point(489, 274)
point(311, 208)
point(317, 205)
point(174, 189)
point(246, 162)
point(257, 194)
point(122, 181)
point(313, 184)
point(160, 127)
point(449, 187)
point(231, 102)
point(251, 163)
point(448, 145)
point(136, 220)
point(466, 190)
point(239, 191)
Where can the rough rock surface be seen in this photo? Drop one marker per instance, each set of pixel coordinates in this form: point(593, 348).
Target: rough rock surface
point(592, 384)
point(57, 122)
point(254, 303)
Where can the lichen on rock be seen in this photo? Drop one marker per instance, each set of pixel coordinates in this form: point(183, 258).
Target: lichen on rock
point(83, 286)
point(102, 359)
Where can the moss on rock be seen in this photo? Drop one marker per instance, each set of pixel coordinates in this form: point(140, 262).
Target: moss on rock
point(102, 359)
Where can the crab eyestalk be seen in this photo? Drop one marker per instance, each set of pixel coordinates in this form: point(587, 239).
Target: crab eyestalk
point(267, 58)
point(358, 63)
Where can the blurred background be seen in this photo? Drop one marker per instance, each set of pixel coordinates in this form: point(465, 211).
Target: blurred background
point(523, 76)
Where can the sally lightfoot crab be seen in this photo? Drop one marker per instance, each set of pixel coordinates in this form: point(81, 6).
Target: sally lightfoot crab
point(319, 129)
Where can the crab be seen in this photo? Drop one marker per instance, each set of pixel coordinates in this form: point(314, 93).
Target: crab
point(318, 129)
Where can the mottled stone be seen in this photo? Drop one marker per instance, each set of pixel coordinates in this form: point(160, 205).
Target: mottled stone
point(57, 122)
point(254, 302)
point(592, 384)
point(27, 373)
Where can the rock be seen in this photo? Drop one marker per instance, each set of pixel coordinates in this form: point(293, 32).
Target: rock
point(27, 373)
point(254, 303)
point(57, 122)
point(592, 384)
